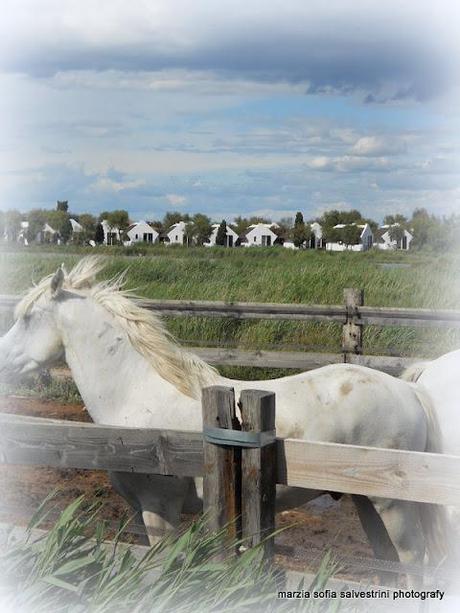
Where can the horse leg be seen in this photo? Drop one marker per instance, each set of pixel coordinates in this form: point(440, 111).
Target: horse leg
point(377, 534)
point(193, 502)
point(402, 521)
point(158, 498)
point(291, 497)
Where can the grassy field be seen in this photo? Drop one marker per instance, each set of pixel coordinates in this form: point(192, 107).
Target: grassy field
point(418, 280)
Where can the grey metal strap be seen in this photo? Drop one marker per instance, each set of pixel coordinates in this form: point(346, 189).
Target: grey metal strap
point(238, 438)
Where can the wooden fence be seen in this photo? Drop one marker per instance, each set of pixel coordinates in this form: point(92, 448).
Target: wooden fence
point(240, 467)
point(353, 315)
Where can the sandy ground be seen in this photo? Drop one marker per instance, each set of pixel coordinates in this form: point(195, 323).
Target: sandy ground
point(314, 528)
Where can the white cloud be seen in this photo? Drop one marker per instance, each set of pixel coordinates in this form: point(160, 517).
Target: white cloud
point(175, 199)
point(105, 184)
point(378, 146)
point(348, 163)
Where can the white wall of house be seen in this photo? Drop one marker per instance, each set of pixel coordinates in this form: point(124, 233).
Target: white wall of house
point(176, 234)
point(111, 233)
point(22, 235)
point(76, 227)
point(232, 236)
point(366, 240)
point(140, 232)
point(316, 241)
point(260, 234)
point(386, 243)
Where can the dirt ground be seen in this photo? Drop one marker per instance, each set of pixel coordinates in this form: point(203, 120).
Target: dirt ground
point(321, 525)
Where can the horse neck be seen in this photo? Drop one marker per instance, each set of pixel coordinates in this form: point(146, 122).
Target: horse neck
point(117, 384)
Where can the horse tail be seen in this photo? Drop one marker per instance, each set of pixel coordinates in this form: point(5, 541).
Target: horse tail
point(435, 523)
point(413, 372)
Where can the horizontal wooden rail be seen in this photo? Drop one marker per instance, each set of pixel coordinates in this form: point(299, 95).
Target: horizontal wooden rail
point(72, 444)
point(399, 474)
point(298, 359)
point(382, 316)
point(220, 356)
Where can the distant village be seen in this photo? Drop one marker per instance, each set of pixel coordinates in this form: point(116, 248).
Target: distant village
point(333, 231)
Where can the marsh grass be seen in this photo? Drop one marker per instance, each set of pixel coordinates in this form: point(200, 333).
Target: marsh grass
point(72, 568)
point(62, 389)
point(272, 275)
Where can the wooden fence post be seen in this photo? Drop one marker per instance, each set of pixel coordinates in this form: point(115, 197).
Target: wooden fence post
point(222, 464)
point(258, 467)
point(239, 487)
point(352, 331)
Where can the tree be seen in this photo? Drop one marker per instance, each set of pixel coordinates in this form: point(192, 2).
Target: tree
point(37, 219)
point(12, 224)
point(396, 233)
point(221, 236)
point(353, 216)
point(390, 220)
point(62, 205)
point(201, 228)
point(174, 217)
point(158, 225)
point(299, 233)
point(66, 230)
point(99, 234)
point(240, 225)
point(88, 223)
point(428, 230)
point(58, 220)
point(351, 234)
point(284, 230)
point(118, 220)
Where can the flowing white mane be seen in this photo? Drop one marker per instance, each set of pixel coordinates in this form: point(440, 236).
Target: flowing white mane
point(145, 330)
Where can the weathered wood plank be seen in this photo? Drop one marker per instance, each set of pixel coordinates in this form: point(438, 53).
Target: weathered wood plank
point(405, 475)
point(258, 465)
point(267, 359)
point(388, 473)
point(393, 365)
point(66, 444)
point(222, 464)
point(384, 316)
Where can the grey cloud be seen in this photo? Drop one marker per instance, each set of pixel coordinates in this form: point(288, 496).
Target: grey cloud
point(387, 52)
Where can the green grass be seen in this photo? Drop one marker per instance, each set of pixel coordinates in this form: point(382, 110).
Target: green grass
point(272, 275)
point(72, 569)
point(62, 390)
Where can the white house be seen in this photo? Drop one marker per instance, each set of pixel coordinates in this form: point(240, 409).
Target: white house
point(385, 241)
point(260, 234)
point(316, 240)
point(22, 234)
point(141, 231)
point(365, 241)
point(76, 227)
point(231, 235)
point(112, 234)
point(48, 234)
point(176, 235)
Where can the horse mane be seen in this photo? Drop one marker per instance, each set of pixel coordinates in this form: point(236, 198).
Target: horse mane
point(145, 330)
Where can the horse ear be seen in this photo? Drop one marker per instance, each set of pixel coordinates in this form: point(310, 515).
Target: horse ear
point(57, 282)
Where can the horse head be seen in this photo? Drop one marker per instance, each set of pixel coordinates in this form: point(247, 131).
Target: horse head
point(34, 341)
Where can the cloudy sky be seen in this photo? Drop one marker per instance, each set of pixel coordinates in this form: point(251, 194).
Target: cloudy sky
point(230, 107)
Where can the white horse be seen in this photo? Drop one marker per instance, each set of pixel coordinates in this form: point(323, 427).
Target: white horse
point(441, 379)
point(130, 372)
